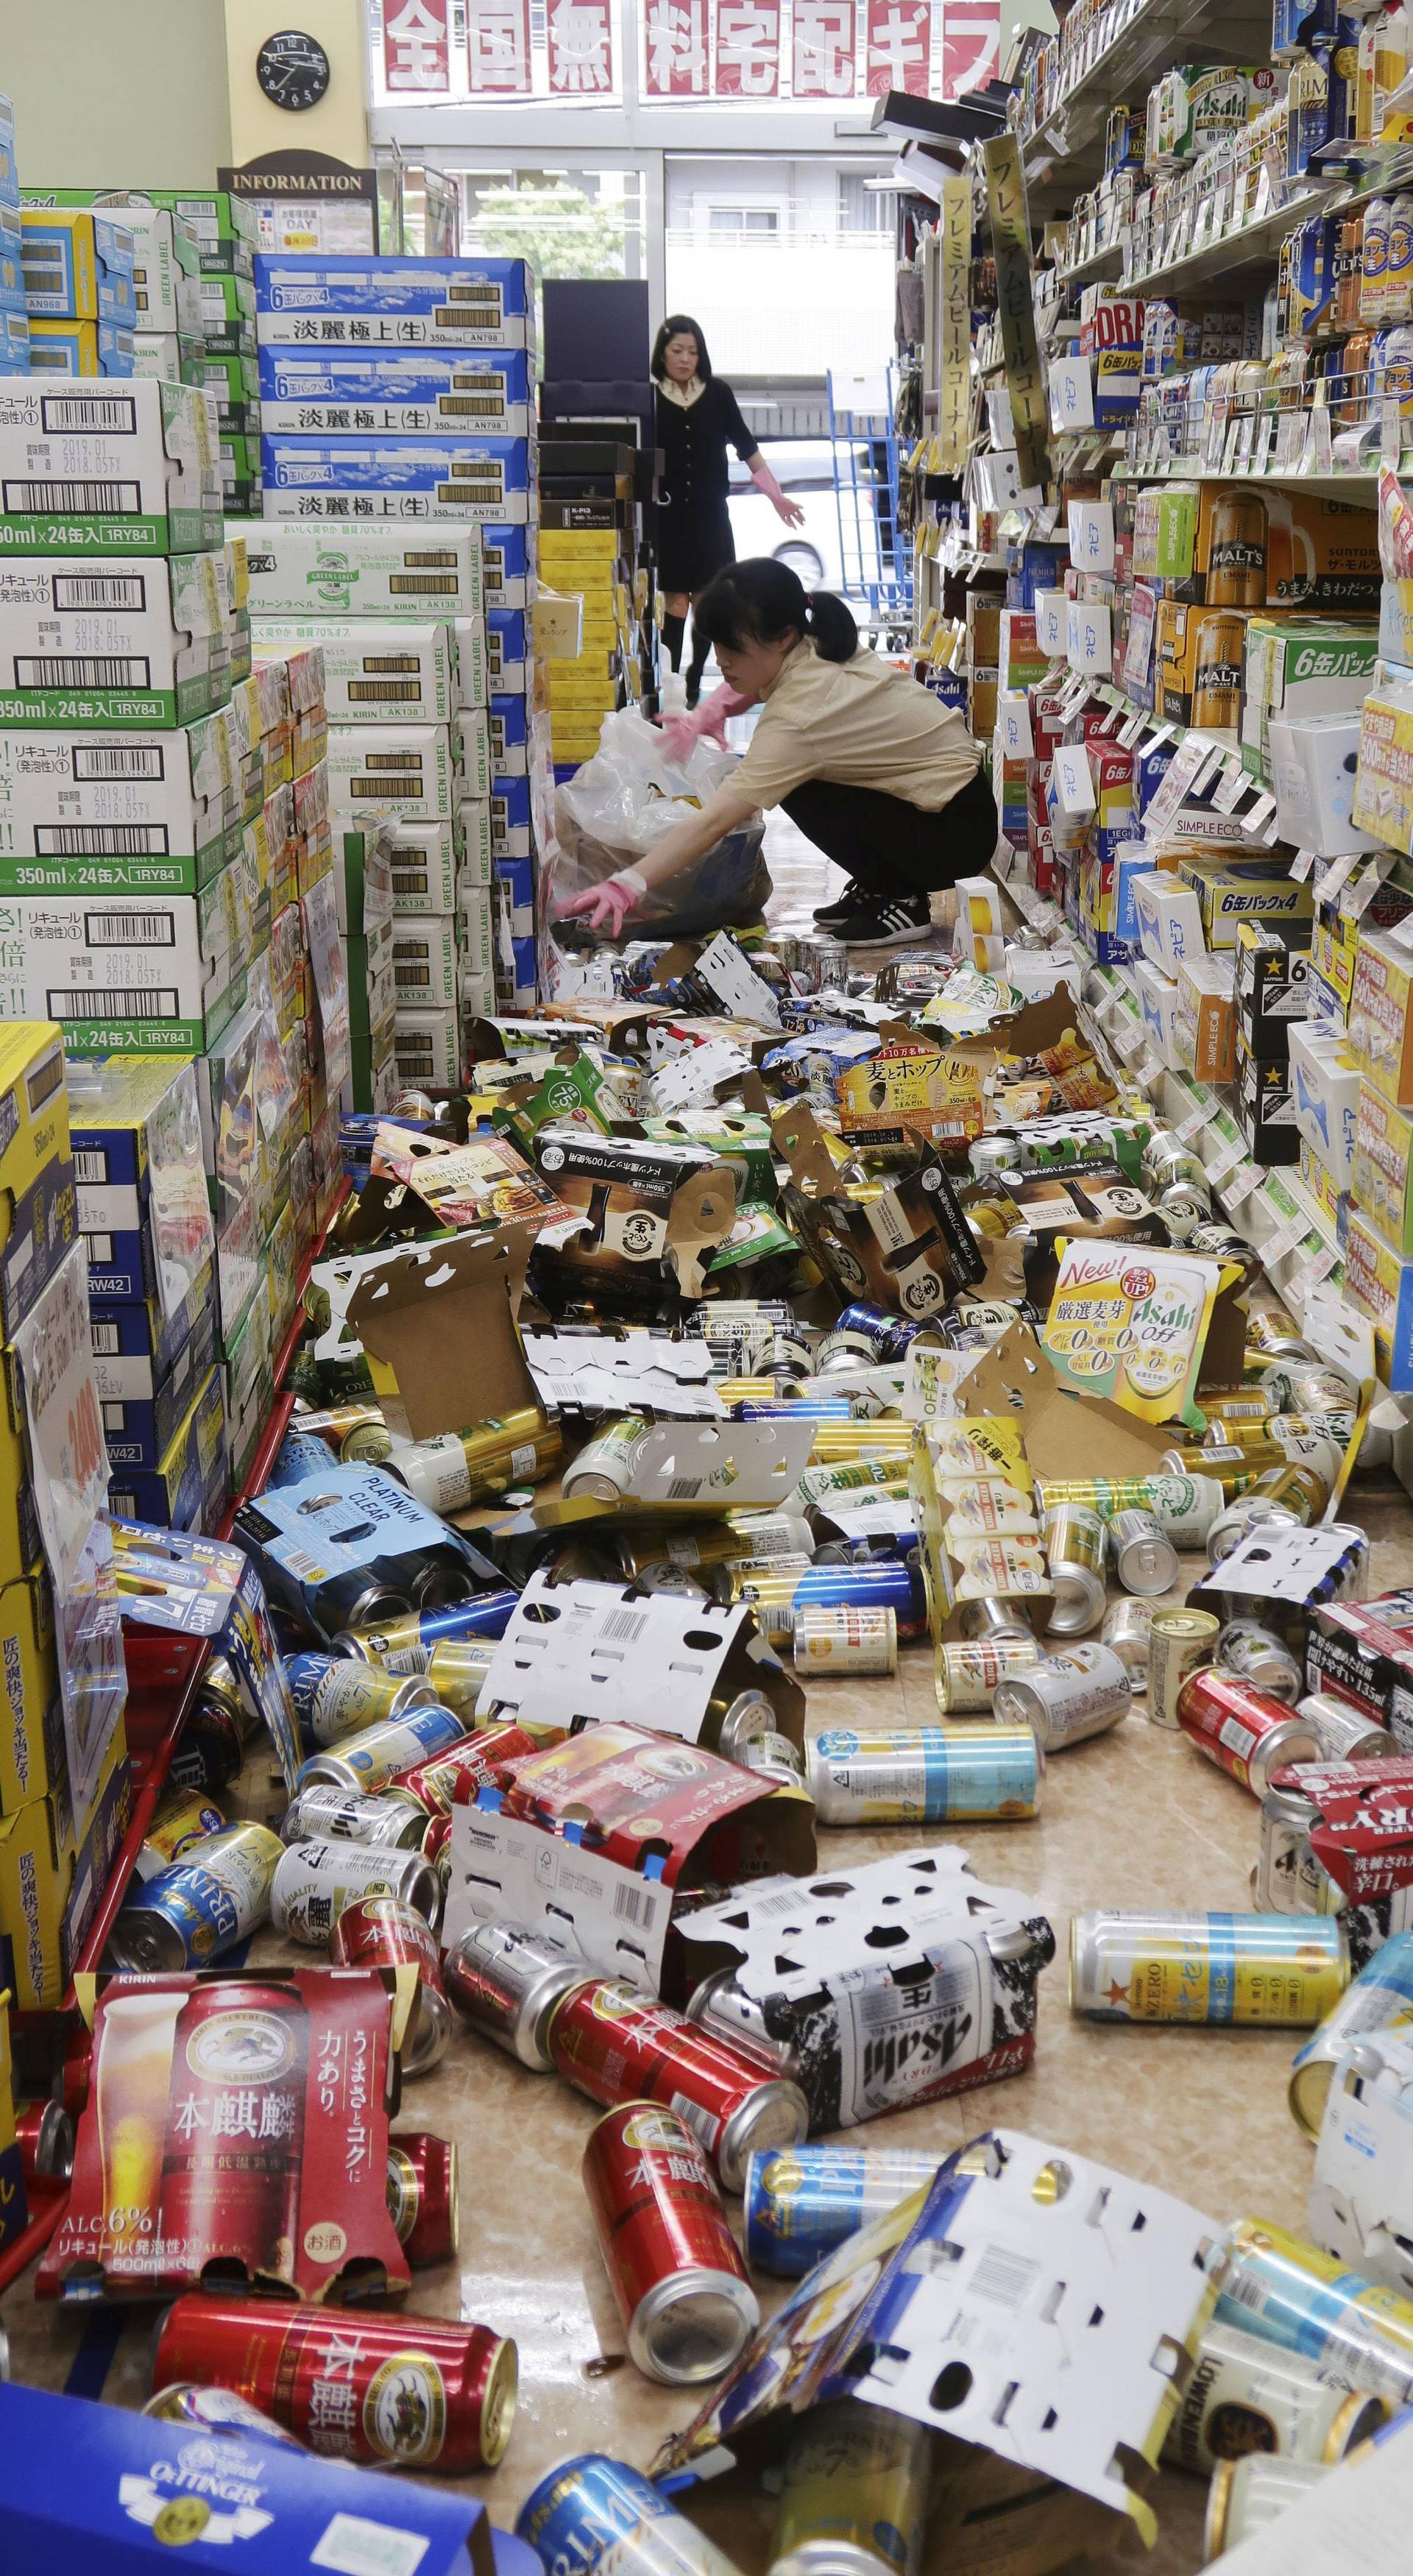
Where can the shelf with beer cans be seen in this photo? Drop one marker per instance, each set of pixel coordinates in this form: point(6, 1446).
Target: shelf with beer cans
point(1065, 153)
point(1226, 260)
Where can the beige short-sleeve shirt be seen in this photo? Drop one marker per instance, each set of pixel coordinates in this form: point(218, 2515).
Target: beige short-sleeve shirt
point(856, 724)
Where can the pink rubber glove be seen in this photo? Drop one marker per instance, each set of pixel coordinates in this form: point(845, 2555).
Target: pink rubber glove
point(765, 482)
point(607, 905)
point(711, 717)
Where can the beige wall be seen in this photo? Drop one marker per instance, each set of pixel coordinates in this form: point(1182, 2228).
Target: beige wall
point(117, 93)
point(339, 124)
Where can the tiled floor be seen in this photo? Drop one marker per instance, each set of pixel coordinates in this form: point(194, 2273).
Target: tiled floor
point(1132, 1819)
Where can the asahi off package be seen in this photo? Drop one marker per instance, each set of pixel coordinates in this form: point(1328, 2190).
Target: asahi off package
point(117, 467)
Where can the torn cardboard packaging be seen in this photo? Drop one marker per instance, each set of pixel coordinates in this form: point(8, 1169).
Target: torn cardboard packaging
point(663, 1661)
point(652, 1215)
point(441, 1319)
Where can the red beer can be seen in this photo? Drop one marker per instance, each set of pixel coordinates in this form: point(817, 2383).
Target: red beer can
point(401, 2391)
point(235, 2126)
point(454, 1779)
point(672, 2261)
point(436, 1847)
point(618, 2045)
point(423, 2196)
point(44, 2134)
point(383, 1932)
point(1245, 1731)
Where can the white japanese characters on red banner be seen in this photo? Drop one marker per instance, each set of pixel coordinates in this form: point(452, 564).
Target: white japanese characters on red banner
point(971, 45)
point(416, 50)
point(675, 54)
point(823, 48)
point(579, 39)
point(498, 48)
point(899, 47)
point(747, 48)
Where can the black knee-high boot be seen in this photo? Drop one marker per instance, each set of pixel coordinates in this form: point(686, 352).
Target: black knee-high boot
point(673, 631)
point(700, 649)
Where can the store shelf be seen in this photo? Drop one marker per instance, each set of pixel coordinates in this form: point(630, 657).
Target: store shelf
point(1066, 154)
point(1250, 250)
point(1100, 263)
point(1338, 487)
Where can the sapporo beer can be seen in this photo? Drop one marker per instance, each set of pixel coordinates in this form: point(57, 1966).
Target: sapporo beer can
point(397, 2391)
point(407, 1645)
point(368, 1762)
point(854, 2494)
point(618, 2045)
point(677, 2277)
point(334, 1697)
point(315, 1881)
point(604, 1467)
point(236, 2038)
point(1067, 1697)
point(591, 2510)
point(906, 1775)
point(1243, 1730)
point(183, 1819)
point(1380, 1998)
point(506, 1981)
point(1278, 1969)
point(1291, 2294)
point(1076, 1544)
point(1245, 2395)
point(217, 2411)
point(386, 1932)
point(457, 1672)
point(392, 1822)
point(187, 1915)
point(1179, 1642)
point(800, 2202)
point(1126, 1629)
point(423, 2195)
point(966, 1672)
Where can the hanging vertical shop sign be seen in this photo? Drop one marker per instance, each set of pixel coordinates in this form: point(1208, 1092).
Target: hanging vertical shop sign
point(579, 41)
point(416, 48)
point(824, 41)
point(954, 393)
point(899, 47)
point(747, 48)
point(971, 45)
point(498, 48)
point(675, 54)
point(1010, 241)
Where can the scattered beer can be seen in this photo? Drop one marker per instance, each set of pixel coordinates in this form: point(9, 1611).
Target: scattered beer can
point(676, 2274)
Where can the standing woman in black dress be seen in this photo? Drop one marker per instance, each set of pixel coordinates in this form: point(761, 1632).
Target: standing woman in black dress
point(698, 418)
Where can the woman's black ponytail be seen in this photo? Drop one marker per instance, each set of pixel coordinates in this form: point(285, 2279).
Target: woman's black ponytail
point(830, 627)
point(756, 601)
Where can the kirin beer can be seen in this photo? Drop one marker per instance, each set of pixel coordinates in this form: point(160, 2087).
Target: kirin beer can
point(678, 2279)
point(1380, 1998)
point(617, 2045)
point(183, 1819)
point(967, 1672)
point(315, 1881)
point(800, 2202)
point(334, 1697)
point(384, 1932)
point(455, 1779)
point(229, 2185)
point(592, 2511)
point(424, 2201)
point(400, 2391)
point(368, 1762)
point(217, 2411)
point(854, 2496)
point(187, 1915)
point(407, 1645)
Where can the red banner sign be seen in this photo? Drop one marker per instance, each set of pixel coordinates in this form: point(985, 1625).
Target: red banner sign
point(416, 51)
point(971, 45)
point(899, 47)
point(498, 48)
point(675, 53)
point(579, 38)
point(747, 48)
point(822, 57)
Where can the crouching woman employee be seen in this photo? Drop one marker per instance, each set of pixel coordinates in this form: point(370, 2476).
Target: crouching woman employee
point(883, 779)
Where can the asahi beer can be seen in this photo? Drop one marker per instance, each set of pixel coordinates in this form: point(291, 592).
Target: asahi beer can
point(367, 1763)
point(910, 1775)
point(413, 2392)
point(1068, 1697)
point(1287, 1878)
point(1259, 1657)
point(423, 2195)
point(217, 2411)
point(1145, 1559)
point(604, 1467)
point(1289, 2293)
point(1280, 1970)
point(183, 1819)
point(616, 2044)
point(460, 1467)
point(1344, 1734)
point(1126, 1632)
point(334, 1697)
point(506, 1981)
point(315, 1881)
point(854, 2494)
point(1243, 1730)
point(386, 1931)
point(1247, 2493)
point(393, 1822)
point(965, 1674)
point(1180, 1642)
point(187, 1915)
point(1379, 1998)
point(800, 2202)
point(677, 2277)
point(1244, 2395)
point(834, 1643)
point(1076, 1543)
point(592, 2511)
point(407, 1645)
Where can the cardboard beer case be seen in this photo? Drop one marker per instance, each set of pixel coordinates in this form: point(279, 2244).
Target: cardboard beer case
point(106, 466)
point(360, 570)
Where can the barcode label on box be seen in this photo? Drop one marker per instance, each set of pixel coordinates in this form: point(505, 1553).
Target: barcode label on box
point(81, 500)
point(112, 1002)
point(95, 760)
point(104, 1339)
point(82, 671)
point(633, 1902)
point(98, 1250)
point(1005, 2277)
point(470, 492)
point(129, 930)
point(90, 1165)
point(622, 1627)
point(100, 590)
point(100, 840)
point(89, 411)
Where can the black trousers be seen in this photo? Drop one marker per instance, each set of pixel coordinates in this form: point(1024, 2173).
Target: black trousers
point(892, 847)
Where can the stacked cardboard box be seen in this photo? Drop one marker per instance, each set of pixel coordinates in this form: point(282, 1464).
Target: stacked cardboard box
point(14, 317)
point(79, 293)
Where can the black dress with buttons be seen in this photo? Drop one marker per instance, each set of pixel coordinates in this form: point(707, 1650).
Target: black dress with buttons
point(693, 523)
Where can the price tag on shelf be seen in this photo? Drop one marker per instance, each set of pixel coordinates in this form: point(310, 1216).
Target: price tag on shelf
point(1401, 934)
point(1234, 785)
point(1315, 1271)
point(1390, 431)
point(1335, 874)
point(1258, 820)
point(1225, 1160)
point(1188, 1129)
point(1244, 1179)
point(1301, 865)
point(1187, 761)
point(1319, 443)
point(1285, 1238)
point(1004, 861)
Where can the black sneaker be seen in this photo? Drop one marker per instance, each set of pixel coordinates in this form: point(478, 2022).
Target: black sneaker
point(847, 901)
point(885, 921)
